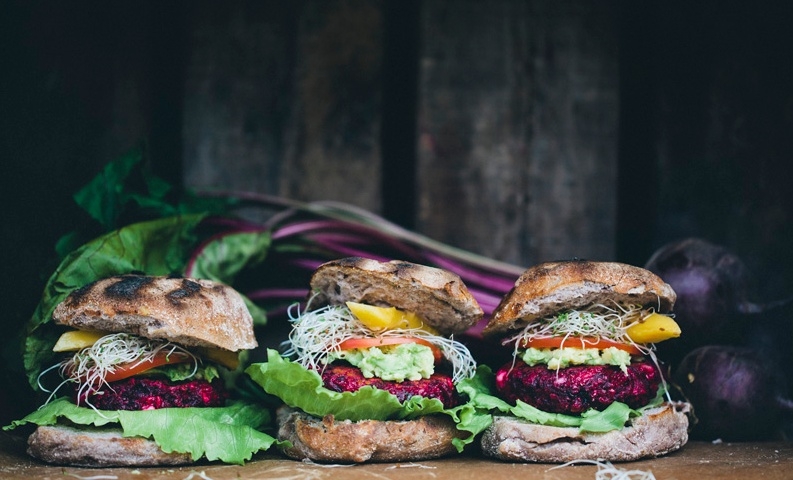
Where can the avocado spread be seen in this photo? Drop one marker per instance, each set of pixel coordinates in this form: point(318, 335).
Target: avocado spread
point(557, 358)
point(406, 361)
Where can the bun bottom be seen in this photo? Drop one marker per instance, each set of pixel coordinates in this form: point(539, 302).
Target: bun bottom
point(327, 440)
point(659, 431)
point(98, 447)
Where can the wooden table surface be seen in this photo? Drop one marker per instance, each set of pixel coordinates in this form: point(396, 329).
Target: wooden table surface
point(697, 460)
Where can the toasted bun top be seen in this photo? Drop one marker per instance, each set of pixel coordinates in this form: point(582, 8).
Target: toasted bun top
point(438, 296)
point(551, 287)
point(190, 312)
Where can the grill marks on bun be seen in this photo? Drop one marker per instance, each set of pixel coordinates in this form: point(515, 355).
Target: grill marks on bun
point(547, 288)
point(127, 288)
point(192, 312)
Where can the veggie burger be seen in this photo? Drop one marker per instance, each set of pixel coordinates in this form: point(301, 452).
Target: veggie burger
point(584, 382)
point(142, 376)
point(370, 372)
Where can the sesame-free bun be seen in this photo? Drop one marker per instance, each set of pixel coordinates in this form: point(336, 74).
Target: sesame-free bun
point(98, 447)
point(191, 312)
point(329, 440)
point(438, 296)
point(547, 288)
point(657, 432)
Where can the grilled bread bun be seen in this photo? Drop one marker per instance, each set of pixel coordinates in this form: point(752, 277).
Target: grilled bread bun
point(98, 447)
point(328, 440)
point(659, 431)
point(191, 312)
point(554, 286)
point(438, 296)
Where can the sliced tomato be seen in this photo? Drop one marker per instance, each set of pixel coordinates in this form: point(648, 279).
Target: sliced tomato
point(368, 342)
point(578, 342)
point(135, 368)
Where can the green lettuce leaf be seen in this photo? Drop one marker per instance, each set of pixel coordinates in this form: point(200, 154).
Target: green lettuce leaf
point(608, 419)
point(224, 257)
point(231, 434)
point(301, 388)
point(614, 417)
point(479, 390)
point(535, 415)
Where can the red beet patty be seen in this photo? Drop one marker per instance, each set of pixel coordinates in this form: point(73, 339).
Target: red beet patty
point(141, 393)
point(575, 389)
point(346, 378)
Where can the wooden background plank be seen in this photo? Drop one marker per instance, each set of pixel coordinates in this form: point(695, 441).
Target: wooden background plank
point(518, 128)
point(284, 98)
point(239, 72)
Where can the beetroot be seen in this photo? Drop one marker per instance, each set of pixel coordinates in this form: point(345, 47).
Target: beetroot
point(736, 393)
point(712, 286)
point(714, 303)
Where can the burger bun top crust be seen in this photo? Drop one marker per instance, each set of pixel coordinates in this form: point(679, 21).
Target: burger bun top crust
point(547, 288)
point(438, 296)
point(190, 312)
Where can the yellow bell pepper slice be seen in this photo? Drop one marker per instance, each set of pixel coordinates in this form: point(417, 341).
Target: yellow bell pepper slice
point(653, 328)
point(387, 318)
point(74, 340)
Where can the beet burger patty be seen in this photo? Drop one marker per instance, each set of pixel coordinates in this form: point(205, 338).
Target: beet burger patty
point(577, 389)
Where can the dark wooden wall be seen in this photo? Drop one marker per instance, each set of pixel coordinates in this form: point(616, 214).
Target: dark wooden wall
point(523, 130)
point(509, 147)
point(518, 132)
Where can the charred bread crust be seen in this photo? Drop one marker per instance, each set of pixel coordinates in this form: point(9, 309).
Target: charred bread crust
point(191, 312)
point(659, 431)
point(438, 296)
point(328, 440)
point(98, 447)
point(547, 288)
